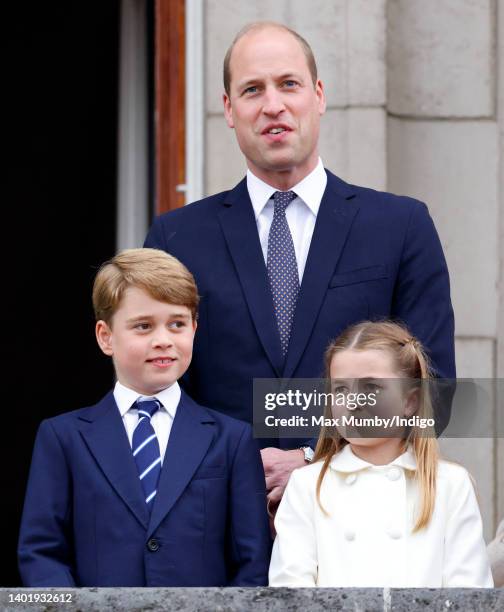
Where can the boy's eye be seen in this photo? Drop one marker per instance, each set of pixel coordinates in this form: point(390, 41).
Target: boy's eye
point(142, 326)
point(176, 324)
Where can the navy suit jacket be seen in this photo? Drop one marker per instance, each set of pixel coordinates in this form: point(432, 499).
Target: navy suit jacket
point(85, 522)
point(373, 255)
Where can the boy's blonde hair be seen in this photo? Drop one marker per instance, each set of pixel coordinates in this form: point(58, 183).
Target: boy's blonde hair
point(411, 361)
point(162, 276)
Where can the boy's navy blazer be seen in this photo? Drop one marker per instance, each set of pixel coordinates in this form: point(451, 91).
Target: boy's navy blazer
point(85, 522)
point(372, 255)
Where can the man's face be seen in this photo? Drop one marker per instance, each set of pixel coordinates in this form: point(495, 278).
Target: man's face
point(273, 105)
point(149, 341)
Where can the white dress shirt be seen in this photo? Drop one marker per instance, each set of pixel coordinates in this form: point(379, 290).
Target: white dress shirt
point(161, 420)
point(301, 213)
point(366, 539)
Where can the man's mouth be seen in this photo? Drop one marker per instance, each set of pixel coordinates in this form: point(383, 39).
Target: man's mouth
point(276, 129)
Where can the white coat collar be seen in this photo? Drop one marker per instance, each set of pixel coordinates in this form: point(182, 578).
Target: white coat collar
point(346, 461)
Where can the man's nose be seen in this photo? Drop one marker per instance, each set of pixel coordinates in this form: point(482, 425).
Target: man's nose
point(273, 101)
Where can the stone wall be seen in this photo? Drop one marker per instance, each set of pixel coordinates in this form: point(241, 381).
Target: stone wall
point(259, 600)
point(415, 106)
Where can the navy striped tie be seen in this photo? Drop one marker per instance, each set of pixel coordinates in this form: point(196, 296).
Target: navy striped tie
point(282, 267)
point(145, 448)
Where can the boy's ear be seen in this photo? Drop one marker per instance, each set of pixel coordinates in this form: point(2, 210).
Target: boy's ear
point(412, 402)
point(104, 337)
point(194, 325)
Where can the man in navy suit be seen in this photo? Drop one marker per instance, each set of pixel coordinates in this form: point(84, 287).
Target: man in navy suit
point(359, 253)
point(146, 488)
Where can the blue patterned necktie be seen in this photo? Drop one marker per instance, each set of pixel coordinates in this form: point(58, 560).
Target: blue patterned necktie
point(282, 267)
point(145, 448)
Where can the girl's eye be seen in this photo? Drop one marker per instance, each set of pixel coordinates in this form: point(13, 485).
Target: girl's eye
point(340, 389)
point(371, 388)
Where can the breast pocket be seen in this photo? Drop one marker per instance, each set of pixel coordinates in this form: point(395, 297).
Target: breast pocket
point(361, 275)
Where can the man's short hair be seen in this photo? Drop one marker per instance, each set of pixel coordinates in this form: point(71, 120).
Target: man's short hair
point(261, 25)
point(162, 276)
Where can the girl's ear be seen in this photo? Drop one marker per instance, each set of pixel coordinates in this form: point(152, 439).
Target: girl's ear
point(104, 337)
point(412, 402)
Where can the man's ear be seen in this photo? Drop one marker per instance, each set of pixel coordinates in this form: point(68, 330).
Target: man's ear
point(412, 402)
point(104, 337)
point(319, 90)
point(228, 111)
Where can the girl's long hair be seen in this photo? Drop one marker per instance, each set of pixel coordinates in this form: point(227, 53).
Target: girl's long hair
point(411, 362)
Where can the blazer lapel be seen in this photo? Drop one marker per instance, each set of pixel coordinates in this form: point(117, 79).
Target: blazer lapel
point(334, 221)
point(191, 434)
point(103, 432)
point(240, 230)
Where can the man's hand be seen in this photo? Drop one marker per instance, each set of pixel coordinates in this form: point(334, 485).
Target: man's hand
point(278, 465)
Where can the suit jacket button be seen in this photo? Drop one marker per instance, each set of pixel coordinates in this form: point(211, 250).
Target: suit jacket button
point(153, 545)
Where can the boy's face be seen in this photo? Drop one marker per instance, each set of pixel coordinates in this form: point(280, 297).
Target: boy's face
point(149, 341)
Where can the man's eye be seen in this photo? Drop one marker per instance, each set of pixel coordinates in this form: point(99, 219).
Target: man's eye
point(289, 84)
point(251, 90)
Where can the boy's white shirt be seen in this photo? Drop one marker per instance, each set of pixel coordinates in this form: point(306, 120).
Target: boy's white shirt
point(161, 421)
point(366, 540)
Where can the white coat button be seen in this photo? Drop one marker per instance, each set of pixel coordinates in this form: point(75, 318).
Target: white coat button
point(394, 473)
point(395, 534)
point(350, 479)
point(349, 535)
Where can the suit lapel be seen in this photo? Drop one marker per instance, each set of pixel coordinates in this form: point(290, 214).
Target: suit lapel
point(334, 221)
point(237, 220)
point(103, 432)
point(191, 434)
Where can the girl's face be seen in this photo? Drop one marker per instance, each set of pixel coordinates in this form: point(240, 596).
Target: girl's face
point(372, 374)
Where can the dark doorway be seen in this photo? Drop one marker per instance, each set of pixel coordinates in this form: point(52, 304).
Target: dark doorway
point(59, 224)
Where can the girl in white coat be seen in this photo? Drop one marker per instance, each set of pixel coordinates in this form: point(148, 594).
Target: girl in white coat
point(381, 511)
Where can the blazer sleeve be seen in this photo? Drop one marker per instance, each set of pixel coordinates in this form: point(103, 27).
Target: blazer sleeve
point(45, 552)
point(422, 293)
point(466, 563)
point(249, 535)
point(294, 557)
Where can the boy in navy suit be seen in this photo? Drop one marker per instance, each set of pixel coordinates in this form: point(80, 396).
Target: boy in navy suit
point(146, 488)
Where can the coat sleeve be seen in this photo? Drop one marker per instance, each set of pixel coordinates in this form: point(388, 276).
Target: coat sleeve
point(294, 558)
point(466, 562)
point(422, 293)
point(249, 535)
point(45, 550)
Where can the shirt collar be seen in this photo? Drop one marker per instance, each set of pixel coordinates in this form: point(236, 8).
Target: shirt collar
point(346, 461)
point(126, 397)
point(310, 190)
